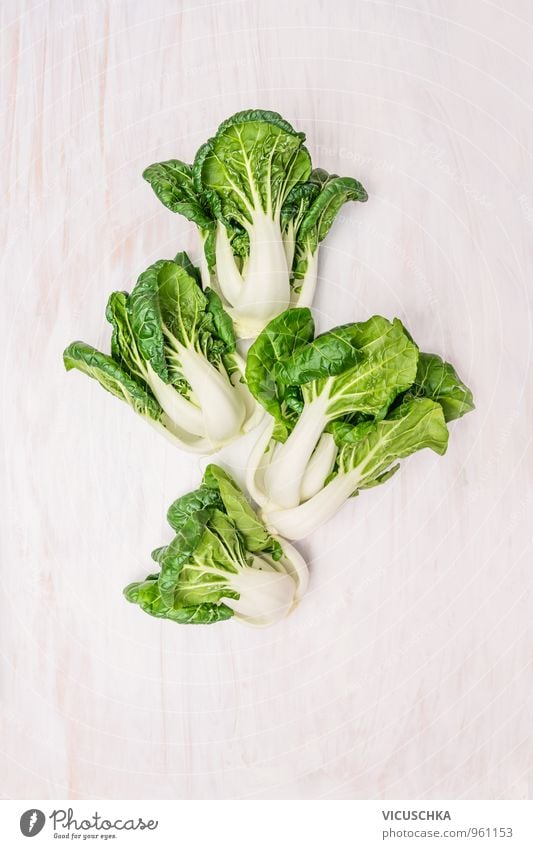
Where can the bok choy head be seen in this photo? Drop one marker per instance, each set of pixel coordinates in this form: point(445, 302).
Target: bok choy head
point(344, 407)
point(173, 358)
point(222, 562)
point(261, 212)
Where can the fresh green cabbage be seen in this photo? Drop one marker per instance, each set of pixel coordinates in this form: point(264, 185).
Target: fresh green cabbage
point(222, 562)
point(261, 212)
point(344, 407)
point(174, 359)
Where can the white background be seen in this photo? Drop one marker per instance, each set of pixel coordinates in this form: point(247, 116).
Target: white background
point(406, 672)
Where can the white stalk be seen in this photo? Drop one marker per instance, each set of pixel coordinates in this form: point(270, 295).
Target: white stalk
point(319, 467)
point(266, 596)
point(266, 289)
point(284, 475)
point(254, 410)
point(308, 284)
point(298, 522)
point(181, 411)
point(228, 275)
point(289, 243)
point(257, 463)
point(184, 440)
point(222, 408)
point(296, 566)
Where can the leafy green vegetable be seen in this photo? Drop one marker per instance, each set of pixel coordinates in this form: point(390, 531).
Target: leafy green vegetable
point(221, 563)
point(307, 216)
point(261, 212)
point(238, 507)
point(438, 380)
point(112, 377)
point(174, 358)
point(279, 340)
point(173, 184)
point(345, 407)
point(147, 595)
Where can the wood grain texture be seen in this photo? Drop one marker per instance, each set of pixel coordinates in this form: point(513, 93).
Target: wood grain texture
point(406, 672)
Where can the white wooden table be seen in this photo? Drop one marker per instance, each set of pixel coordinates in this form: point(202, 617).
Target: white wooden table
point(407, 670)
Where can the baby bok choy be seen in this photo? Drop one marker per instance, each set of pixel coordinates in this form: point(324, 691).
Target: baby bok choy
point(261, 211)
point(344, 407)
point(222, 562)
point(174, 359)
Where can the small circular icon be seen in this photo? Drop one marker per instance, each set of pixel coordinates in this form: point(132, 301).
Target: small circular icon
point(32, 822)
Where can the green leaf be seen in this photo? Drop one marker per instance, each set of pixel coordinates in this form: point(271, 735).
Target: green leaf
point(276, 343)
point(181, 301)
point(158, 554)
point(348, 433)
point(147, 595)
point(297, 203)
point(173, 184)
point(123, 345)
point(415, 424)
point(382, 478)
point(240, 511)
point(205, 577)
point(222, 553)
point(221, 560)
point(334, 193)
point(201, 614)
point(179, 551)
point(209, 237)
point(329, 354)
point(145, 318)
point(439, 381)
point(388, 366)
point(182, 259)
point(320, 202)
point(184, 507)
point(252, 162)
point(222, 321)
point(112, 377)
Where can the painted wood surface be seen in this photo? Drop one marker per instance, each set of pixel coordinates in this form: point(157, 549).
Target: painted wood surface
point(406, 672)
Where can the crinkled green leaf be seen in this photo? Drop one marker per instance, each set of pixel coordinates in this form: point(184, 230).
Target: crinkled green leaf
point(297, 203)
point(348, 433)
point(145, 318)
point(148, 596)
point(439, 381)
point(241, 512)
point(320, 203)
point(180, 550)
point(124, 348)
point(415, 424)
point(329, 354)
point(254, 159)
point(222, 321)
point(209, 239)
point(182, 508)
point(182, 302)
point(158, 554)
point(276, 343)
point(173, 184)
point(334, 193)
point(388, 367)
point(221, 554)
point(183, 260)
point(112, 377)
point(222, 547)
